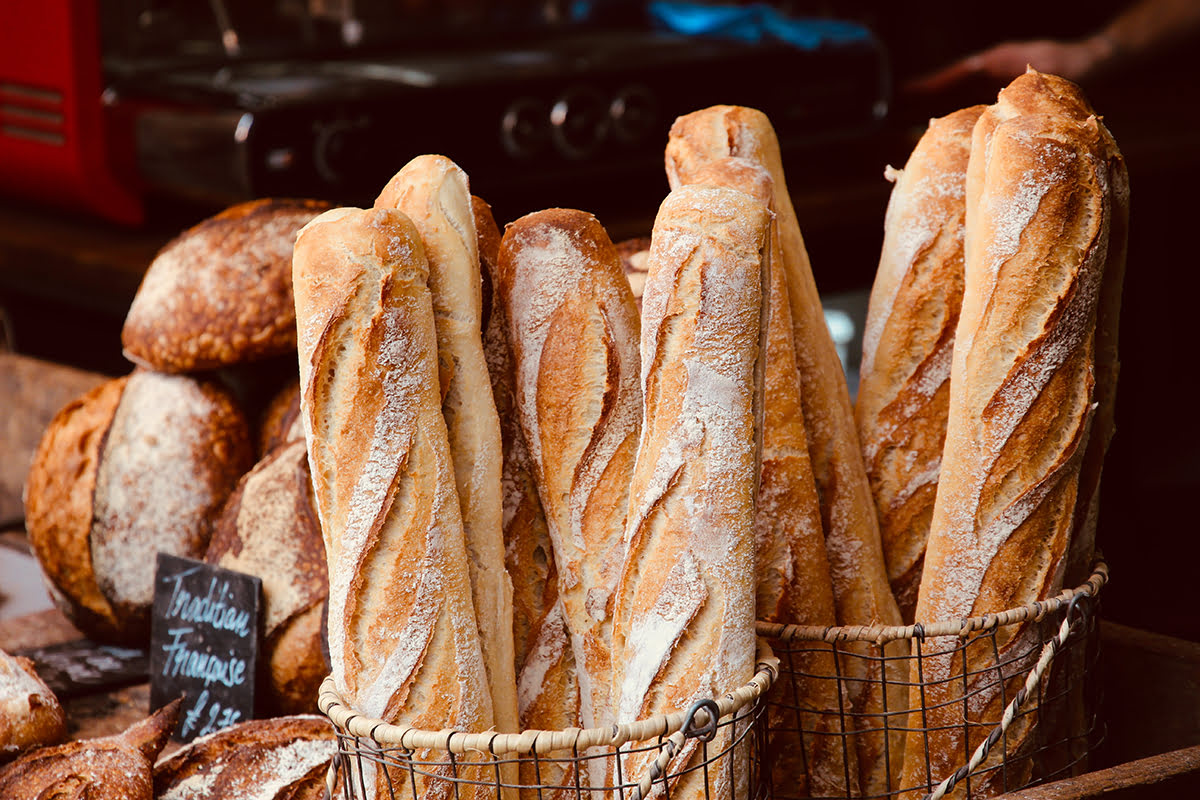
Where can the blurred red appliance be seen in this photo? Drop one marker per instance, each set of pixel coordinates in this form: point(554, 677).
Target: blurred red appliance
point(57, 142)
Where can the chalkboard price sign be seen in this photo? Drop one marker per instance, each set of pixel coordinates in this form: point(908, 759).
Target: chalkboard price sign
point(204, 643)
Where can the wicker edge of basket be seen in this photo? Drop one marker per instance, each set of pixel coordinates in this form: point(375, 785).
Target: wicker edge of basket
point(882, 634)
point(527, 742)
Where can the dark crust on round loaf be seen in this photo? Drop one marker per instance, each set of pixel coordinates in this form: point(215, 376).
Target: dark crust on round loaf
point(297, 663)
point(58, 506)
point(295, 552)
point(235, 754)
point(221, 292)
point(116, 767)
point(280, 420)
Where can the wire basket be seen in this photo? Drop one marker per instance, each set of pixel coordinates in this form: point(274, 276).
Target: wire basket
point(1005, 722)
point(713, 750)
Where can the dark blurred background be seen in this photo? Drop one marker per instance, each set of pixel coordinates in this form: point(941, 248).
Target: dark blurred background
point(330, 98)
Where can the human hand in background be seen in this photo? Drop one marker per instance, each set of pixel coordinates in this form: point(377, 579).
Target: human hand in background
point(1075, 61)
point(1146, 26)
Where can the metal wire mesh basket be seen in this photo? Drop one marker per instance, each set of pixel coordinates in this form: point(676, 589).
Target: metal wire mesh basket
point(713, 750)
point(1006, 721)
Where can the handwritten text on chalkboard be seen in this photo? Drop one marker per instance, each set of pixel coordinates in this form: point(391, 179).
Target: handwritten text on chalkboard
point(204, 643)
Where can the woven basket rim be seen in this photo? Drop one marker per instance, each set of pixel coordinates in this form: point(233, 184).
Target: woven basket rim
point(346, 719)
point(882, 634)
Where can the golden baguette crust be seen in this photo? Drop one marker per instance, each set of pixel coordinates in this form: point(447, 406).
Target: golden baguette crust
point(549, 699)
point(528, 553)
point(1032, 93)
point(1021, 401)
point(282, 758)
point(30, 714)
point(433, 192)
point(793, 583)
point(860, 587)
point(547, 689)
point(574, 330)
point(269, 528)
point(684, 623)
point(116, 767)
point(851, 530)
point(1036, 92)
point(904, 383)
point(402, 636)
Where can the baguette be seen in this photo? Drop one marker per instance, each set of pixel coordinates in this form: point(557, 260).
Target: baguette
point(528, 552)
point(1039, 211)
point(904, 382)
point(1039, 93)
point(547, 689)
point(403, 642)
point(861, 591)
point(574, 331)
point(433, 192)
point(793, 583)
point(684, 620)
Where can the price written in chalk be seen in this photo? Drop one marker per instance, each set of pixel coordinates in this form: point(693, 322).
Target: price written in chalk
point(206, 716)
point(204, 643)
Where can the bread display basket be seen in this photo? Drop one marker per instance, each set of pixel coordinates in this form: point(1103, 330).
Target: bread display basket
point(1042, 686)
point(1039, 725)
point(728, 732)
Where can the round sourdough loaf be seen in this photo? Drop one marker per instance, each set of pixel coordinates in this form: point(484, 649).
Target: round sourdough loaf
point(220, 293)
point(269, 528)
point(137, 466)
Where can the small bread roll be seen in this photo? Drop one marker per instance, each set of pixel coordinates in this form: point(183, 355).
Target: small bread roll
point(30, 715)
point(633, 253)
point(281, 421)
